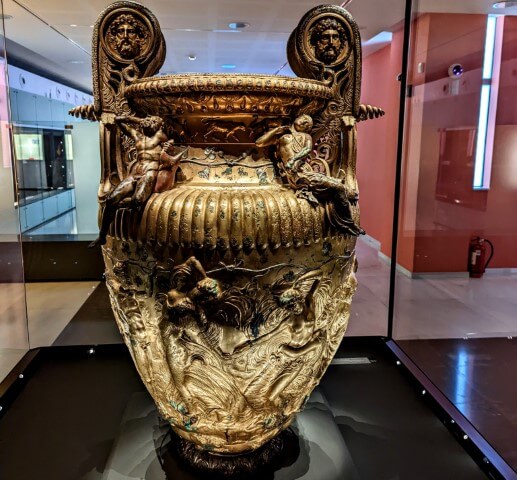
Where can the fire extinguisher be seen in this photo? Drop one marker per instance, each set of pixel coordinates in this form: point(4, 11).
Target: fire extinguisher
point(477, 254)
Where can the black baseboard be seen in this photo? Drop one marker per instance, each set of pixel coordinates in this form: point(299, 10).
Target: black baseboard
point(61, 260)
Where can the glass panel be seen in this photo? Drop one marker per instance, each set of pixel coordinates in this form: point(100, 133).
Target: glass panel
point(456, 260)
point(58, 169)
point(376, 163)
point(455, 303)
point(59, 166)
point(13, 317)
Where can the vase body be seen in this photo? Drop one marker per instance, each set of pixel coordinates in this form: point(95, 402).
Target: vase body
point(229, 219)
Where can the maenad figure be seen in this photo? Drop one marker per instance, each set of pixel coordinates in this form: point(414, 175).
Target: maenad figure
point(152, 150)
point(294, 145)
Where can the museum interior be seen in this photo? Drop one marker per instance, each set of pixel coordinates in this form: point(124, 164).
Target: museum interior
point(423, 383)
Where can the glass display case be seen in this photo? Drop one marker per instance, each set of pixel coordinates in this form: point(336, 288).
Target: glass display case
point(438, 181)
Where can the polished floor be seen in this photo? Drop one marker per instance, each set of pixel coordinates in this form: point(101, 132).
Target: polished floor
point(478, 376)
point(36, 313)
point(68, 418)
point(62, 225)
point(432, 306)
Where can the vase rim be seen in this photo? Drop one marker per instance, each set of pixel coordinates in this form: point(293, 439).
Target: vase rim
point(229, 82)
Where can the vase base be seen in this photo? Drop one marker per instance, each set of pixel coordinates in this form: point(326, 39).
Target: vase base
point(280, 451)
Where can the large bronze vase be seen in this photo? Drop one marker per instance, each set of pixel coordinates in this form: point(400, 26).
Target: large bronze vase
point(229, 219)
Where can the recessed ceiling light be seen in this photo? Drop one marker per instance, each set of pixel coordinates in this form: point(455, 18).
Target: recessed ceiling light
point(228, 65)
point(238, 25)
point(73, 25)
point(75, 61)
point(225, 31)
point(191, 57)
point(505, 4)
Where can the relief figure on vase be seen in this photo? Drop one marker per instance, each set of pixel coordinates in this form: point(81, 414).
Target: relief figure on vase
point(153, 154)
point(294, 147)
point(231, 283)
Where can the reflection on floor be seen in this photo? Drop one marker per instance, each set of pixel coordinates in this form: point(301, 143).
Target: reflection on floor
point(9, 357)
point(69, 414)
point(62, 225)
point(439, 306)
point(13, 318)
point(51, 306)
point(93, 324)
point(478, 376)
point(369, 315)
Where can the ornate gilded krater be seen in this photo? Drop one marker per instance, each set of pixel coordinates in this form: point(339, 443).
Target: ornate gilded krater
point(229, 218)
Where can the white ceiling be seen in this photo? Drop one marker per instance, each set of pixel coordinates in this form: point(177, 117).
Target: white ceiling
point(43, 35)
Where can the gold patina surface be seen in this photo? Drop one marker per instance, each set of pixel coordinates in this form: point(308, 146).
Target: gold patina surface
point(228, 221)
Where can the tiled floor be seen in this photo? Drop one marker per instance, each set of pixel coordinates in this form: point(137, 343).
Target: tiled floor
point(432, 306)
point(64, 224)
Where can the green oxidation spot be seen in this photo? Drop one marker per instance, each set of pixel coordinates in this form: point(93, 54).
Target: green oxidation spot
point(260, 204)
point(242, 172)
point(235, 216)
point(197, 212)
point(227, 171)
point(205, 173)
point(211, 207)
point(262, 176)
point(174, 214)
point(179, 407)
point(189, 424)
point(268, 422)
point(327, 248)
point(222, 215)
point(208, 447)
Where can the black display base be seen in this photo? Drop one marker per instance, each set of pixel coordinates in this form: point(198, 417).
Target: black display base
point(312, 449)
point(281, 451)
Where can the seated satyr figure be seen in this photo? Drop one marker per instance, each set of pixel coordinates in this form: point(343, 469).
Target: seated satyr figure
point(294, 146)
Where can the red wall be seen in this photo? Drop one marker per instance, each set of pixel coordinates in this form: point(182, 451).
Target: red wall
point(377, 142)
point(437, 216)
point(443, 228)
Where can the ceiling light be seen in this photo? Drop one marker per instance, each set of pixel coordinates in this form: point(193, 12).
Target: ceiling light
point(75, 61)
point(228, 65)
point(73, 25)
point(191, 57)
point(505, 4)
point(225, 31)
point(238, 25)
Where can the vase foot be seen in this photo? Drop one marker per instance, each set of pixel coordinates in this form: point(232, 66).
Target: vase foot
point(283, 450)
